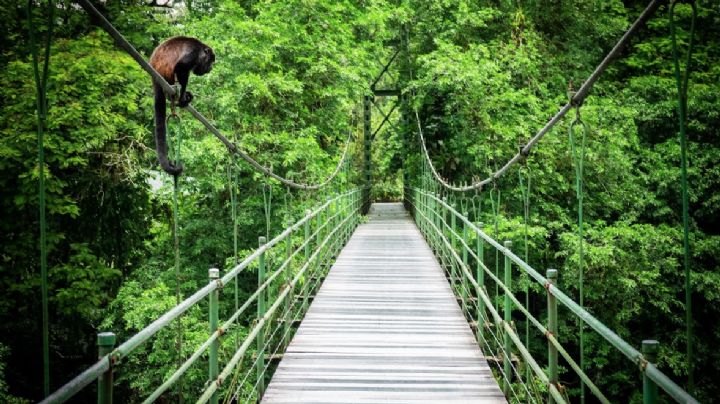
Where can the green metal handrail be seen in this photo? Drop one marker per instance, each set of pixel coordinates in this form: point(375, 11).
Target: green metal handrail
point(503, 285)
point(348, 211)
point(330, 243)
point(482, 294)
point(430, 211)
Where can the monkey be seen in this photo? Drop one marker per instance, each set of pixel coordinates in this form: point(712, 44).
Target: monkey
point(174, 59)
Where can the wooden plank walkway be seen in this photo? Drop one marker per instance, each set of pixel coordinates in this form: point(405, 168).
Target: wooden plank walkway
point(384, 328)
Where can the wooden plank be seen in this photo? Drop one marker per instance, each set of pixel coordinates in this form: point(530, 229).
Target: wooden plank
point(384, 328)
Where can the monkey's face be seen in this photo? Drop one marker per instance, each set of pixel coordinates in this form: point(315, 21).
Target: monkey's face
point(205, 61)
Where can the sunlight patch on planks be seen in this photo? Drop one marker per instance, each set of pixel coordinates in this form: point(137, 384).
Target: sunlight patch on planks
point(384, 328)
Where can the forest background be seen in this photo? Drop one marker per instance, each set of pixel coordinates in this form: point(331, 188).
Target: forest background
point(289, 82)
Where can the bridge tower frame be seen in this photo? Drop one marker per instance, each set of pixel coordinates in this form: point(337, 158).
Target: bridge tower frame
point(400, 46)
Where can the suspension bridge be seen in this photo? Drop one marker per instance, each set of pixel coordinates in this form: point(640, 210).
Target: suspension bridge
point(413, 303)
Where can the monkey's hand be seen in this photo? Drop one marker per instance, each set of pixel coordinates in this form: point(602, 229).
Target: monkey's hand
point(185, 99)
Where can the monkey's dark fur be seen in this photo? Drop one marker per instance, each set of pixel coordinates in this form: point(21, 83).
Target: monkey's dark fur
point(174, 59)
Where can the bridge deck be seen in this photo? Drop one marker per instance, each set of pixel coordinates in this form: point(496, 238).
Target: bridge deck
point(384, 327)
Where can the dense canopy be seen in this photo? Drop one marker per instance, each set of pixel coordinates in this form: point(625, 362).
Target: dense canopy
point(288, 87)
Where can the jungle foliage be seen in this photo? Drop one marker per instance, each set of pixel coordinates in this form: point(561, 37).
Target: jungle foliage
point(288, 86)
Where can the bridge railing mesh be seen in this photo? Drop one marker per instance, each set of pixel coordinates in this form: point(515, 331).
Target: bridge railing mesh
point(285, 289)
point(487, 299)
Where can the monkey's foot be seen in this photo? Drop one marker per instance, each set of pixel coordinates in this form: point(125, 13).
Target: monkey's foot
point(174, 170)
point(185, 99)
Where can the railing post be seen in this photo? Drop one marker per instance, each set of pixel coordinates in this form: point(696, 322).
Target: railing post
point(650, 389)
point(347, 212)
point(318, 240)
point(331, 226)
point(306, 286)
point(435, 209)
point(425, 208)
point(342, 209)
point(481, 283)
point(552, 275)
point(288, 278)
point(213, 370)
point(106, 344)
point(260, 370)
point(453, 244)
point(424, 204)
point(464, 283)
point(442, 221)
point(420, 202)
point(508, 319)
point(318, 224)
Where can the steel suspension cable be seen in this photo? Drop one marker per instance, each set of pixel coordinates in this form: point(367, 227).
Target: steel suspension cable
point(41, 84)
point(525, 193)
point(577, 99)
point(681, 80)
point(267, 206)
point(577, 150)
point(233, 187)
point(170, 91)
point(496, 213)
point(176, 240)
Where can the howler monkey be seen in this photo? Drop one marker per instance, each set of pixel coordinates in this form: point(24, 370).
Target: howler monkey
point(174, 59)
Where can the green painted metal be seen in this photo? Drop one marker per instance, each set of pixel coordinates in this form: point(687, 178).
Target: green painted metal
point(319, 227)
point(306, 294)
point(260, 373)
point(464, 289)
point(507, 311)
point(555, 393)
point(577, 150)
point(454, 276)
point(650, 390)
point(552, 275)
point(525, 192)
point(233, 188)
point(498, 321)
point(349, 218)
point(106, 343)
point(41, 84)
point(176, 138)
point(286, 280)
point(367, 152)
point(670, 387)
point(541, 328)
point(239, 354)
point(480, 276)
point(496, 215)
point(681, 81)
point(214, 307)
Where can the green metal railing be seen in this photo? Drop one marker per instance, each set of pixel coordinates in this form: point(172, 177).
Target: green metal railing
point(282, 297)
point(450, 234)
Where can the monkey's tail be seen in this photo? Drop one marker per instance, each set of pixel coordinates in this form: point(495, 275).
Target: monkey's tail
point(160, 133)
